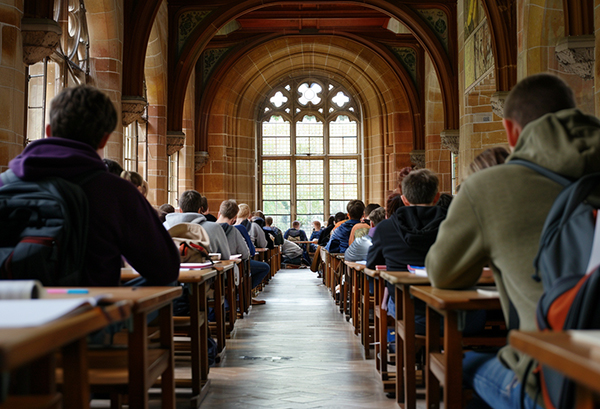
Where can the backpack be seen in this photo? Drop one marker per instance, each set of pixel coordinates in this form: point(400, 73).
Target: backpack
point(570, 295)
point(192, 241)
point(44, 227)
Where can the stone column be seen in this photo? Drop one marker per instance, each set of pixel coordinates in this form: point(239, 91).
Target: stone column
point(12, 92)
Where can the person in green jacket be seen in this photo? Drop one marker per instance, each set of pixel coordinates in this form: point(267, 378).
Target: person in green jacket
point(497, 219)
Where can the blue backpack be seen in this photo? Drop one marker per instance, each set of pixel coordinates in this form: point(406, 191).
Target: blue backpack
point(44, 227)
point(570, 295)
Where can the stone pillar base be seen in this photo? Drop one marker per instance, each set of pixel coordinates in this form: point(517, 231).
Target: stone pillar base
point(175, 141)
point(575, 54)
point(200, 159)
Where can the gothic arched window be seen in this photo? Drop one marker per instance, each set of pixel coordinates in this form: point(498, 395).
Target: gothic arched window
point(309, 151)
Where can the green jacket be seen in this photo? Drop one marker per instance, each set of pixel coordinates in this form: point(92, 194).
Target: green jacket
point(497, 219)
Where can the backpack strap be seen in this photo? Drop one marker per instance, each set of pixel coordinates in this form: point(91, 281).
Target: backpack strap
point(561, 180)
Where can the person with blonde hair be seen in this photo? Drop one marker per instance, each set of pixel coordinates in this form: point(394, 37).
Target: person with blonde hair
point(254, 230)
point(137, 180)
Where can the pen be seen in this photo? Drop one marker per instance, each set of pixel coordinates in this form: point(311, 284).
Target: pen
point(67, 291)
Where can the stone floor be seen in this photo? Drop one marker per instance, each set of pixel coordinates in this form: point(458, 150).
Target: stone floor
point(296, 351)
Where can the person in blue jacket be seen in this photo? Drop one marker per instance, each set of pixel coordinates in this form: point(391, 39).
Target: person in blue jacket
point(338, 243)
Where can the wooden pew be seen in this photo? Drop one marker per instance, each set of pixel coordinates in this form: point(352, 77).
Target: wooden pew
point(355, 270)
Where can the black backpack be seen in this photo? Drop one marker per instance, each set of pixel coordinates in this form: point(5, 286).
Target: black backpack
point(44, 227)
point(570, 298)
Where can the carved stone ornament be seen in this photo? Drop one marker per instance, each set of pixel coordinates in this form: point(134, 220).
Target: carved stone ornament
point(417, 157)
point(200, 159)
point(497, 101)
point(40, 38)
point(575, 54)
point(450, 139)
point(175, 141)
point(132, 109)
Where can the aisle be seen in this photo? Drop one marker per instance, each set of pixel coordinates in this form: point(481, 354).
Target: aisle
point(296, 351)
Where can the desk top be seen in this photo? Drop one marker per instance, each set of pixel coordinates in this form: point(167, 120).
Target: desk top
point(261, 250)
point(144, 299)
point(578, 360)
point(356, 266)
point(196, 276)
point(372, 273)
point(19, 346)
point(403, 277)
point(456, 299)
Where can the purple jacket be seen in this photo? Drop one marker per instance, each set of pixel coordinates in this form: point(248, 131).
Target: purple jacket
point(122, 222)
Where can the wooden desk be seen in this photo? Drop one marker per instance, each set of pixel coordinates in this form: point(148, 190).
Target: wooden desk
point(576, 359)
point(37, 346)
point(198, 282)
point(451, 304)
point(144, 364)
point(367, 336)
point(223, 267)
point(406, 349)
point(355, 269)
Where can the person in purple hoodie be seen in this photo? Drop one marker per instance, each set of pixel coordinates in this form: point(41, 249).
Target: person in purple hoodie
point(121, 223)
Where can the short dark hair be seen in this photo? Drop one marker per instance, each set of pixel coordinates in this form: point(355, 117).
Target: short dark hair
point(356, 209)
point(331, 220)
point(113, 166)
point(295, 223)
point(370, 207)
point(83, 114)
point(259, 213)
point(536, 96)
point(420, 186)
point(444, 200)
point(229, 209)
point(268, 220)
point(393, 202)
point(339, 216)
point(203, 204)
point(167, 208)
point(190, 201)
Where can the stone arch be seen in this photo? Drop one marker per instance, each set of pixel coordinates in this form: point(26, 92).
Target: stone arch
point(445, 62)
point(231, 111)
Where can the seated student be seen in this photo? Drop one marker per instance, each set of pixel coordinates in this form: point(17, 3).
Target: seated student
point(137, 180)
point(254, 230)
point(317, 230)
point(338, 243)
point(405, 238)
point(113, 166)
point(239, 244)
point(204, 210)
point(497, 219)
point(268, 234)
point(294, 233)
point(393, 202)
point(359, 248)
point(275, 231)
point(364, 224)
point(121, 221)
point(291, 253)
point(326, 232)
point(189, 212)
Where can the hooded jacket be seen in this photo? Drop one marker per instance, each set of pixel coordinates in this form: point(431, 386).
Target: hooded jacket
point(121, 221)
point(338, 242)
point(405, 238)
point(498, 216)
point(218, 240)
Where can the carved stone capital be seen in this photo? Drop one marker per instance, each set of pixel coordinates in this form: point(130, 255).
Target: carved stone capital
point(450, 139)
point(175, 141)
point(497, 101)
point(575, 54)
point(200, 159)
point(40, 38)
point(132, 109)
point(417, 157)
